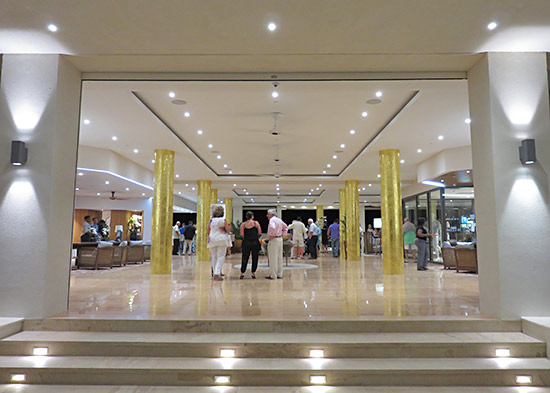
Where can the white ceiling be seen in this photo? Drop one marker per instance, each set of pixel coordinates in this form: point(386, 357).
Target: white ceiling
point(316, 119)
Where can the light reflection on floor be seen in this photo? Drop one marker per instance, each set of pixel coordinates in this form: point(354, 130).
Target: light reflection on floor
point(348, 290)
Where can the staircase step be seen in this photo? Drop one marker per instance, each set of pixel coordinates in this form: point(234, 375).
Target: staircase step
point(273, 345)
point(371, 325)
point(256, 389)
point(157, 371)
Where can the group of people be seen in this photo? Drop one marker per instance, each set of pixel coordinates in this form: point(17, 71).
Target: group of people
point(94, 230)
point(183, 237)
point(416, 238)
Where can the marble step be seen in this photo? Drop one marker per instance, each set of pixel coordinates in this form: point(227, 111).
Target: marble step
point(95, 370)
point(273, 345)
point(267, 389)
point(371, 325)
point(9, 326)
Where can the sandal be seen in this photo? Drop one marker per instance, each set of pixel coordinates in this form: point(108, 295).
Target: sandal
point(242, 276)
point(253, 276)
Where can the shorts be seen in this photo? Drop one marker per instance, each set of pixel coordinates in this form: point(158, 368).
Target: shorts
point(298, 242)
point(410, 247)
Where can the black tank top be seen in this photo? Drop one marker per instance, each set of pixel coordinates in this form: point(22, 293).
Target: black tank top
point(251, 235)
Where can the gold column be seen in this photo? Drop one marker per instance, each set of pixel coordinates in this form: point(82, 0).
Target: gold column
point(343, 221)
point(352, 222)
point(213, 196)
point(203, 217)
point(228, 210)
point(320, 212)
point(390, 201)
point(163, 202)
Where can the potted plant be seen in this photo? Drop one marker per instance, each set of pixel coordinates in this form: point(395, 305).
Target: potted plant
point(236, 231)
point(133, 227)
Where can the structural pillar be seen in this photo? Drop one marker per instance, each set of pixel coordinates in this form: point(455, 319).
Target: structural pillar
point(203, 217)
point(508, 94)
point(343, 222)
point(320, 212)
point(213, 196)
point(352, 221)
point(390, 203)
point(228, 202)
point(163, 202)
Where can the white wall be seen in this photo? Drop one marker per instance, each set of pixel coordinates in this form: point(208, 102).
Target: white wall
point(39, 104)
point(450, 160)
point(130, 204)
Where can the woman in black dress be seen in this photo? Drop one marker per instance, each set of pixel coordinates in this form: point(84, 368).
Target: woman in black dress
point(250, 231)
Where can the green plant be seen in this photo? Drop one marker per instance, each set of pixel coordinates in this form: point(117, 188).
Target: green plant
point(236, 230)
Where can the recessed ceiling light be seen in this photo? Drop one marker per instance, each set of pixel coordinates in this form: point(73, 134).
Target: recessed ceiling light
point(86, 121)
point(186, 114)
point(230, 172)
point(334, 157)
point(106, 181)
point(136, 151)
point(419, 150)
point(492, 25)
point(274, 94)
point(324, 172)
point(53, 28)
point(179, 192)
point(370, 185)
point(468, 121)
point(328, 165)
point(80, 174)
point(379, 175)
point(153, 161)
point(342, 146)
point(210, 146)
point(364, 114)
point(77, 189)
point(193, 188)
point(364, 188)
point(440, 137)
point(378, 94)
point(98, 194)
point(177, 175)
point(127, 189)
point(219, 157)
point(278, 193)
point(402, 161)
point(171, 94)
point(247, 193)
point(352, 132)
point(199, 132)
point(143, 194)
point(244, 189)
point(225, 165)
point(309, 193)
point(467, 171)
point(317, 188)
point(114, 138)
point(320, 185)
point(271, 26)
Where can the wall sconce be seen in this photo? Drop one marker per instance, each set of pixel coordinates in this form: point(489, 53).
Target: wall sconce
point(18, 153)
point(527, 154)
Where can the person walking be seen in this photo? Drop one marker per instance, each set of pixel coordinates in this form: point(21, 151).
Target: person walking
point(188, 236)
point(298, 232)
point(275, 231)
point(409, 238)
point(176, 238)
point(313, 237)
point(334, 237)
point(250, 232)
point(422, 237)
point(218, 241)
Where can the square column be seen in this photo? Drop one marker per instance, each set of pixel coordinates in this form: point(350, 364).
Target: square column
point(39, 105)
point(508, 95)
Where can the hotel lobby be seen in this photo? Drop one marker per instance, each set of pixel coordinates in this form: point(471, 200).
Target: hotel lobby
point(142, 115)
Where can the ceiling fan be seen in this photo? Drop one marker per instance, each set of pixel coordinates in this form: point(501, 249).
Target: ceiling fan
point(115, 198)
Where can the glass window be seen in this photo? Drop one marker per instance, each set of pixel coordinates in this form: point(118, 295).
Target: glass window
point(436, 226)
point(410, 209)
point(460, 219)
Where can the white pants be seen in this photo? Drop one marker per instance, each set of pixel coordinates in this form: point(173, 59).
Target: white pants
point(275, 254)
point(217, 257)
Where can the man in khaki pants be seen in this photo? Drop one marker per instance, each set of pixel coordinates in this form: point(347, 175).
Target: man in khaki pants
point(275, 231)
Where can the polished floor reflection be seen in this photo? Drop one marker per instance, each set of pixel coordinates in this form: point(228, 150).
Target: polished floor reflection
point(330, 290)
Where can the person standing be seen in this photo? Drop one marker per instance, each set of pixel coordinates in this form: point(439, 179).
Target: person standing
point(298, 232)
point(409, 238)
point(313, 237)
point(218, 241)
point(275, 231)
point(188, 236)
point(176, 238)
point(250, 231)
point(87, 230)
point(334, 237)
point(422, 237)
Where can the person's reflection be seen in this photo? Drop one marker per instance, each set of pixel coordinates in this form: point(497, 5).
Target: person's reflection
point(250, 305)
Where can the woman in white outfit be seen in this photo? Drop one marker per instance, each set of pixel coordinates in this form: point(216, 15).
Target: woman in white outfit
point(218, 241)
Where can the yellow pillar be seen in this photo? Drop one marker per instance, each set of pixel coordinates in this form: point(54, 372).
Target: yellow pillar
point(213, 196)
point(203, 217)
point(352, 222)
point(390, 202)
point(163, 201)
point(320, 212)
point(343, 221)
point(228, 209)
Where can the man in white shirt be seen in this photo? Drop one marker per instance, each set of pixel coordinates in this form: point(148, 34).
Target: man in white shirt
point(176, 238)
point(298, 232)
point(313, 236)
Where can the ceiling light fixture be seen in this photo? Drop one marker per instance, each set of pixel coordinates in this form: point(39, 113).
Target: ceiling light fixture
point(177, 175)
point(86, 121)
point(379, 175)
point(370, 185)
point(114, 138)
point(274, 94)
point(53, 28)
point(199, 132)
point(98, 194)
point(433, 183)
point(271, 26)
point(77, 189)
point(324, 172)
point(352, 132)
point(378, 94)
point(136, 151)
point(419, 150)
point(193, 188)
point(328, 165)
point(342, 146)
point(402, 161)
point(186, 114)
point(440, 137)
point(364, 114)
point(225, 165)
point(210, 146)
point(142, 194)
point(468, 120)
point(334, 157)
point(492, 25)
point(234, 185)
point(152, 161)
point(127, 189)
point(171, 94)
point(230, 172)
point(219, 157)
point(106, 181)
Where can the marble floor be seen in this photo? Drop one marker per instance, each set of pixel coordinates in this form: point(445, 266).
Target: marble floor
point(329, 289)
